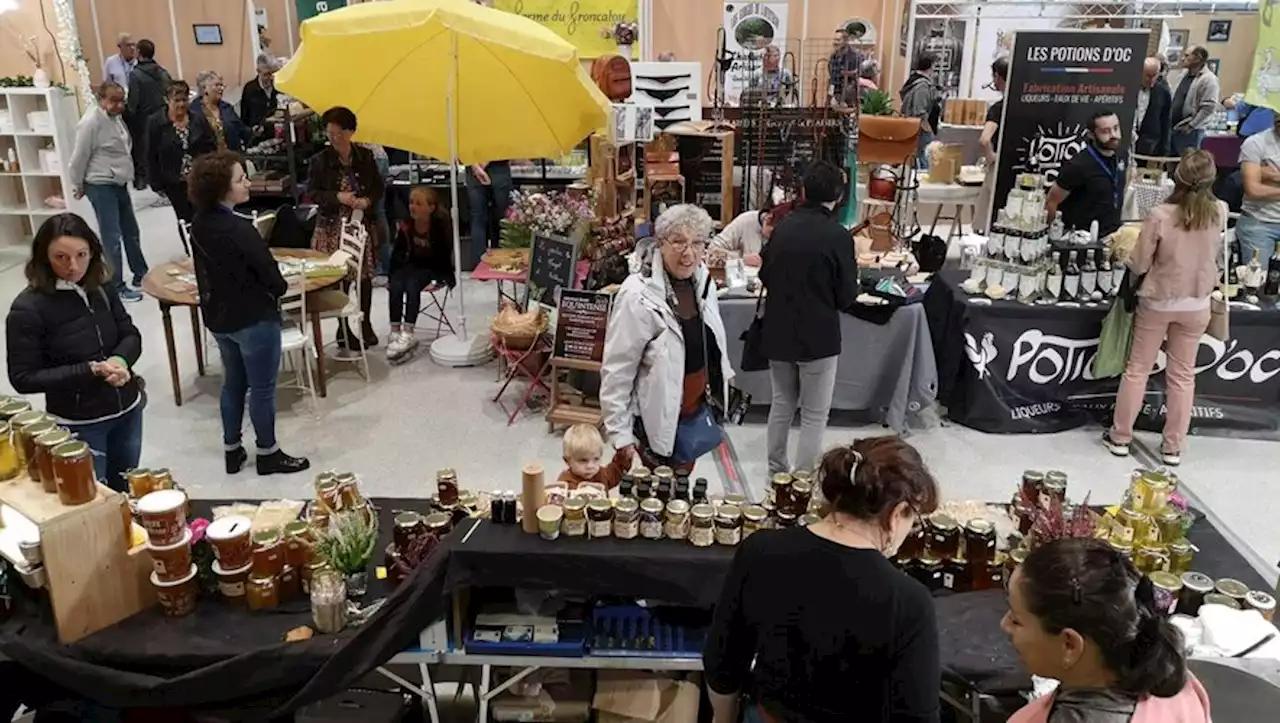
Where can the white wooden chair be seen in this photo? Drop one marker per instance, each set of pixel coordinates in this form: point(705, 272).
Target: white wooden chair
point(354, 238)
point(295, 339)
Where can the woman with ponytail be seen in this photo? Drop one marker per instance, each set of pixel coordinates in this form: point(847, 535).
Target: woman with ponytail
point(815, 623)
point(1177, 258)
point(1081, 614)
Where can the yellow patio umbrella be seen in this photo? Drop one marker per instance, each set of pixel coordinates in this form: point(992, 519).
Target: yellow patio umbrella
point(448, 79)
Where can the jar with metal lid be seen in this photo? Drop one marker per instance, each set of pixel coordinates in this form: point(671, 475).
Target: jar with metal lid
point(13, 407)
point(73, 469)
point(9, 467)
point(786, 518)
point(599, 518)
point(1169, 523)
point(1054, 488)
point(1167, 588)
point(929, 572)
point(699, 495)
point(447, 486)
point(268, 552)
point(1149, 491)
point(405, 528)
point(1025, 513)
point(737, 500)
point(626, 486)
point(663, 492)
point(349, 490)
point(1264, 603)
point(1131, 526)
point(574, 523)
point(801, 495)
point(1195, 586)
point(676, 526)
point(664, 475)
point(728, 525)
point(944, 536)
point(163, 478)
point(990, 577)
point(979, 542)
point(262, 592)
point(329, 494)
point(957, 575)
point(321, 478)
point(45, 444)
point(140, 482)
point(1232, 588)
point(29, 433)
point(438, 524)
point(297, 545)
point(626, 519)
point(1013, 561)
point(807, 519)
point(1150, 558)
point(1122, 547)
point(702, 527)
point(781, 488)
point(1181, 553)
point(651, 519)
point(1032, 481)
point(754, 519)
point(1215, 598)
point(24, 442)
point(913, 545)
point(289, 584)
point(641, 475)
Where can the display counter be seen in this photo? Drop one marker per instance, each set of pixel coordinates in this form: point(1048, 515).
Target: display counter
point(1008, 367)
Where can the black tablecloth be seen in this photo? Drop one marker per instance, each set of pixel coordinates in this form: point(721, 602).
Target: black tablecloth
point(221, 655)
point(1007, 367)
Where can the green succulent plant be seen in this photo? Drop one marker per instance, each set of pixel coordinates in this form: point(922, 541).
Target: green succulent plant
point(349, 543)
point(877, 102)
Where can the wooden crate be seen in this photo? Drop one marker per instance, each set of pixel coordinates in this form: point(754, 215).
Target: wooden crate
point(94, 579)
point(706, 129)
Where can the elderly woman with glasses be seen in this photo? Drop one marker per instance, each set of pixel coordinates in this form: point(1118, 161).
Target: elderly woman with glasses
point(665, 372)
point(229, 132)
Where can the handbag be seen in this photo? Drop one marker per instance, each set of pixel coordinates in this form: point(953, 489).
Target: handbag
point(700, 432)
point(1115, 341)
point(753, 358)
point(886, 139)
point(1220, 309)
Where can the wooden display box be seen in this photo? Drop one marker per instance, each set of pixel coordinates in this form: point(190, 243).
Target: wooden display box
point(93, 578)
point(706, 129)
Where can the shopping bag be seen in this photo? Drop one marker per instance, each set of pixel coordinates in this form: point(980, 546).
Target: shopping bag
point(753, 358)
point(1115, 341)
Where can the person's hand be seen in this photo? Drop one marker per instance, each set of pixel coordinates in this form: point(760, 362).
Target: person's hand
point(481, 175)
point(77, 192)
point(625, 456)
point(118, 377)
point(753, 260)
point(347, 198)
point(1182, 126)
point(361, 204)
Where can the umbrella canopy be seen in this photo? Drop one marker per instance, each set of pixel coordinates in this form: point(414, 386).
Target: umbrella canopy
point(519, 90)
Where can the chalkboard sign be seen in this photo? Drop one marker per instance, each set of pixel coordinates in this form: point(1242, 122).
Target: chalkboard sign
point(552, 266)
point(581, 321)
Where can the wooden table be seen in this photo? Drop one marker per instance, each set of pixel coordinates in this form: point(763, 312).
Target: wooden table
point(161, 283)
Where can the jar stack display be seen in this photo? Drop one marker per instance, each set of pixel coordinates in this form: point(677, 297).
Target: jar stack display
point(944, 553)
point(33, 444)
point(163, 515)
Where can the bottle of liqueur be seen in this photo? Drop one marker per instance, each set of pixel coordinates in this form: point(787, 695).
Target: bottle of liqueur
point(1104, 272)
point(1088, 277)
point(1057, 230)
point(1071, 279)
point(1053, 278)
point(1272, 287)
point(1013, 236)
point(1233, 275)
point(995, 237)
point(1253, 285)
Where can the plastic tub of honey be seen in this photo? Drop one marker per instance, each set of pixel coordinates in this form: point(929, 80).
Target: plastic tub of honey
point(231, 583)
point(229, 538)
point(177, 598)
point(171, 562)
point(163, 514)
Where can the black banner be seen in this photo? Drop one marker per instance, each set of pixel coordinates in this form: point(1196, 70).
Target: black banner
point(1011, 368)
point(1057, 80)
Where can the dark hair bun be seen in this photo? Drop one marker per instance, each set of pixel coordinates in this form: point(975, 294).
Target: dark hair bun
point(871, 477)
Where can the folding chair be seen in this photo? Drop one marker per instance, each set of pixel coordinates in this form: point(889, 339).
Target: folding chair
point(531, 364)
point(434, 305)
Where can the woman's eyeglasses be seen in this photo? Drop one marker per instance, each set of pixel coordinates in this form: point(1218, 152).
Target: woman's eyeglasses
point(683, 245)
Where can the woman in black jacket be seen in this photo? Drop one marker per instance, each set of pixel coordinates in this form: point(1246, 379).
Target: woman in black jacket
point(422, 255)
point(342, 179)
point(240, 289)
point(175, 139)
point(69, 338)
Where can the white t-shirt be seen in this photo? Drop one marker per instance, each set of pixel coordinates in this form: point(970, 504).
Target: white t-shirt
point(743, 236)
point(1263, 149)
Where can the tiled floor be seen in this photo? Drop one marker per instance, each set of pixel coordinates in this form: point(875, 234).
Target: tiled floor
point(417, 417)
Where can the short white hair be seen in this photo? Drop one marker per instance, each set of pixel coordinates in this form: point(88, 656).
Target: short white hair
point(684, 219)
point(204, 77)
point(869, 69)
point(123, 38)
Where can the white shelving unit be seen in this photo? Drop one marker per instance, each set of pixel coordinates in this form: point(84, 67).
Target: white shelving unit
point(39, 126)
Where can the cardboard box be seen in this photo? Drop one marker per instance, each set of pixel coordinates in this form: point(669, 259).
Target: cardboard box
point(631, 697)
point(565, 698)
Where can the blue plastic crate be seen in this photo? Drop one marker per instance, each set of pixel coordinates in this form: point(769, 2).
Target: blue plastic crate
point(632, 631)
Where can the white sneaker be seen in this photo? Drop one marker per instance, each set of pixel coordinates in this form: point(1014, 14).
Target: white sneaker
point(1173, 459)
point(401, 343)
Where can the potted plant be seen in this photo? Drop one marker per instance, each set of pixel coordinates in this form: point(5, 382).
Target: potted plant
point(348, 547)
point(876, 102)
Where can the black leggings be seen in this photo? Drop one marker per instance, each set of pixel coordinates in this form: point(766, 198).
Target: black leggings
point(405, 288)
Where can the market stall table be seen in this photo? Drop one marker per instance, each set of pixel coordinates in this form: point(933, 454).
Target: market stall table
point(1009, 367)
point(484, 272)
point(887, 368)
point(162, 284)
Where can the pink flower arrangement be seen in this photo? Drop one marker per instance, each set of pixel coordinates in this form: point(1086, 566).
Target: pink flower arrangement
point(551, 213)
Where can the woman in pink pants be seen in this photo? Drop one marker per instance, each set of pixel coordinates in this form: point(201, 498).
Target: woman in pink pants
point(1178, 250)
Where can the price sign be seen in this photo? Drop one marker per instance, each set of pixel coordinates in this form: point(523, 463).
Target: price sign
point(581, 321)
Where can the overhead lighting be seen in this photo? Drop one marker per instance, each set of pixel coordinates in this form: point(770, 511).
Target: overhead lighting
point(7, 5)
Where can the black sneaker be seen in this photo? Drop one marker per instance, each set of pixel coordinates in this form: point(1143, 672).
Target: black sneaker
point(236, 459)
point(1116, 448)
point(348, 340)
point(280, 463)
point(370, 338)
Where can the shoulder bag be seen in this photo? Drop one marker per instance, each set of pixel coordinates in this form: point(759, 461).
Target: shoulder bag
point(700, 432)
point(753, 358)
point(886, 139)
point(1220, 309)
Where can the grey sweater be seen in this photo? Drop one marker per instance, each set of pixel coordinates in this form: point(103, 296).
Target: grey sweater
point(1201, 102)
point(103, 150)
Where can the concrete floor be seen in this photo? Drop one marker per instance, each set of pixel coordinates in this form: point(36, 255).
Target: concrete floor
point(417, 417)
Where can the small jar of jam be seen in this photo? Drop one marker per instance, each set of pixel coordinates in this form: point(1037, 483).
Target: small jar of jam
point(1169, 523)
point(406, 527)
point(348, 490)
point(1032, 481)
point(1264, 603)
point(45, 444)
point(1181, 554)
point(787, 518)
point(944, 537)
point(297, 544)
point(929, 572)
point(1195, 586)
point(268, 553)
point(728, 525)
point(956, 575)
point(664, 476)
point(438, 524)
point(702, 528)
point(801, 494)
point(290, 584)
point(979, 542)
point(73, 468)
point(676, 526)
point(447, 486)
point(1232, 588)
point(651, 519)
point(754, 519)
point(626, 519)
point(781, 489)
point(328, 494)
point(641, 475)
point(599, 518)
point(262, 592)
point(575, 517)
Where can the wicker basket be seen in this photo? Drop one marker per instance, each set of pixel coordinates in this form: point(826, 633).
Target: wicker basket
point(516, 330)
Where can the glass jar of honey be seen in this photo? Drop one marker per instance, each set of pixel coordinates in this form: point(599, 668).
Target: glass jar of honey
point(702, 526)
point(1149, 558)
point(73, 469)
point(754, 519)
point(1169, 523)
point(297, 545)
point(957, 575)
point(626, 519)
point(349, 490)
point(29, 434)
point(979, 542)
point(268, 552)
point(913, 545)
point(599, 518)
point(447, 486)
point(664, 475)
point(676, 526)
point(162, 478)
point(1132, 526)
point(990, 577)
point(801, 495)
point(45, 444)
point(786, 519)
point(328, 494)
point(438, 524)
point(728, 525)
point(24, 443)
point(929, 572)
point(1054, 490)
point(1123, 547)
point(944, 537)
point(140, 482)
point(289, 583)
point(13, 407)
point(1181, 553)
point(262, 592)
point(1149, 491)
point(651, 519)
point(574, 523)
point(9, 467)
point(1032, 481)
point(1013, 561)
point(781, 489)
point(406, 527)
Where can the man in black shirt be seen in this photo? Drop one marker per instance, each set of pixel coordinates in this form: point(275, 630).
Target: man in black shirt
point(1090, 186)
point(990, 140)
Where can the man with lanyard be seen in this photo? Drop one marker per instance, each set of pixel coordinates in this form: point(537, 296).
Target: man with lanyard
point(1090, 186)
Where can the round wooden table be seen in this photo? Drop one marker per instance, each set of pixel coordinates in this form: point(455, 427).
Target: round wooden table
point(163, 283)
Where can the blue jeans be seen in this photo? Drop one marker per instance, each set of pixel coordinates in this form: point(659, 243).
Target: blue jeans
point(251, 359)
point(1254, 234)
point(405, 292)
point(922, 150)
point(116, 445)
point(478, 199)
point(1183, 141)
point(114, 209)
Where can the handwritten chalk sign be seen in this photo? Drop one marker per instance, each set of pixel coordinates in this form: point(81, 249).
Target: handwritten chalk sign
point(552, 266)
point(581, 321)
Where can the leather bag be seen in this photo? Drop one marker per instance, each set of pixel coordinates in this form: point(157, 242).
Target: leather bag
point(886, 139)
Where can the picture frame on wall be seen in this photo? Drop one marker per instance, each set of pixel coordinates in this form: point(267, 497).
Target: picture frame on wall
point(1214, 65)
point(1219, 31)
point(208, 34)
point(1178, 38)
